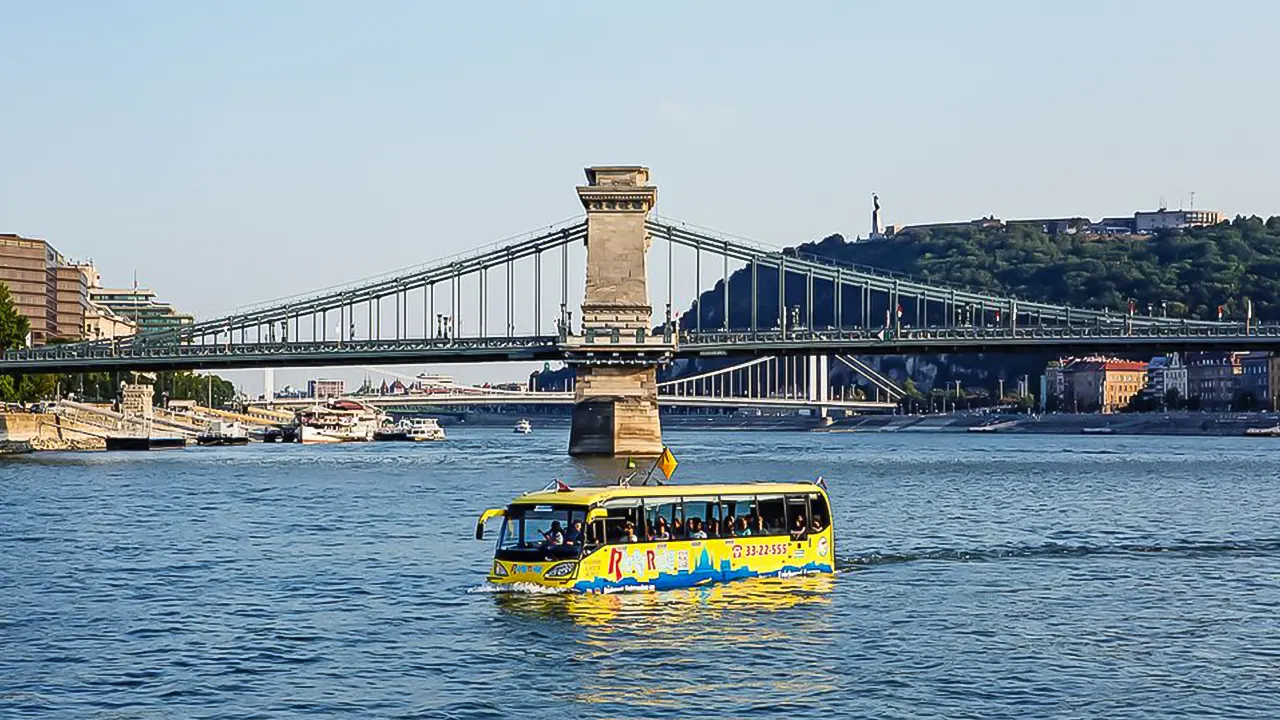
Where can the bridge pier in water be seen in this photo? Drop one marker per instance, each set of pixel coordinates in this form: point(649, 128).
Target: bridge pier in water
point(615, 408)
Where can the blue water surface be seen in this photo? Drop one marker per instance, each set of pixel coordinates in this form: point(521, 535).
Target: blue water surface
point(982, 576)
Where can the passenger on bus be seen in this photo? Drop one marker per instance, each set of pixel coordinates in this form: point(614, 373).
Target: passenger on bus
point(743, 530)
point(817, 524)
point(695, 530)
point(757, 525)
point(660, 530)
point(677, 528)
point(713, 528)
point(574, 535)
point(628, 533)
point(554, 536)
point(797, 528)
point(730, 524)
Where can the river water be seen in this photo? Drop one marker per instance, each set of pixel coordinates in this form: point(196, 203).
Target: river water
point(981, 576)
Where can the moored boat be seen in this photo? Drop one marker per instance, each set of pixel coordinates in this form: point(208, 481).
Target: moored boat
point(1263, 432)
point(523, 427)
point(336, 423)
point(425, 430)
point(219, 433)
point(411, 430)
point(145, 443)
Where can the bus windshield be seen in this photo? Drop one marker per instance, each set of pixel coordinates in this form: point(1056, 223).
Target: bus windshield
point(541, 531)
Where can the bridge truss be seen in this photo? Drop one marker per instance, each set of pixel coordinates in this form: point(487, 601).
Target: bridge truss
point(514, 300)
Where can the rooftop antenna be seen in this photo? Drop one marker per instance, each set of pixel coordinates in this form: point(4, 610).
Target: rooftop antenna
point(1193, 200)
point(1163, 205)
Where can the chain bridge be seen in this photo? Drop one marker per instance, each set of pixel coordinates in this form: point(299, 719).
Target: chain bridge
point(516, 301)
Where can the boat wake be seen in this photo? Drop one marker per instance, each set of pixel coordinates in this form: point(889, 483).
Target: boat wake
point(516, 588)
point(1051, 550)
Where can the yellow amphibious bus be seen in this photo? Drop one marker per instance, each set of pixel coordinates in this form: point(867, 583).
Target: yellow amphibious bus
point(620, 538)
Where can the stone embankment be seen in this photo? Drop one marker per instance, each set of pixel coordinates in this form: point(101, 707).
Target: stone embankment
point(47, 432)
point(14, 447)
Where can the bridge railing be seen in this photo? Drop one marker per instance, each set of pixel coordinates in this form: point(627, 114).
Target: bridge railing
point(90, 351)
point(1117, 331)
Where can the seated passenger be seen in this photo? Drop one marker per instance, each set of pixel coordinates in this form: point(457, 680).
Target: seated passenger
point(574, 536)
point(730, 523)
point(628, 533)
point(742, 530)
point(713, 528)
point(817, 524)
point(798, 529)
point(695, 530)
point(677, 529)
point(757, 525)
point(554, 536)
point(660, 530)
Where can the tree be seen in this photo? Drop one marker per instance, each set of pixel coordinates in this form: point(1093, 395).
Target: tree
point(1173, 399)
point(910, 400)
point(190, 386)
point(14, 328)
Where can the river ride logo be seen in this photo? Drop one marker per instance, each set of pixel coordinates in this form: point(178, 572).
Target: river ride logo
point(640, 562)
point(822, 547)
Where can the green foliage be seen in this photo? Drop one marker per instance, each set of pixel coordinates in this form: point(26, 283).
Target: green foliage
point(105, 387)
point(190, 386)
point(13, 335)
point(13, 326)
point(1191, 272)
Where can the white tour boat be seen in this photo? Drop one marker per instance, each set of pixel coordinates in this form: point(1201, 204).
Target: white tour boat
point(336, 423)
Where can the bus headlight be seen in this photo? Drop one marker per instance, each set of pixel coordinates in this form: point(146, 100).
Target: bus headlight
point(560, 570)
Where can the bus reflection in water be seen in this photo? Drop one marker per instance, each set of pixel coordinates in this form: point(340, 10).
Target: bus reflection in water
point(622, 538)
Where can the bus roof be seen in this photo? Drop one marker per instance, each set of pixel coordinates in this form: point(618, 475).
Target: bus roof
point(593, 495)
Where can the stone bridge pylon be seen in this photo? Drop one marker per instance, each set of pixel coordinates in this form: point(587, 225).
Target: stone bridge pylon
point(615, 409)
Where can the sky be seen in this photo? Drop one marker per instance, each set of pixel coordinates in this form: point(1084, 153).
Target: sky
point(234, 152)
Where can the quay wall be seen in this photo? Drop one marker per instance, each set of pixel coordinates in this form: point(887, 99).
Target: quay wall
point(48, 432)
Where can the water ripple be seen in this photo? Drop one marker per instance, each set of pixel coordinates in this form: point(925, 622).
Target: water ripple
point(980, 576)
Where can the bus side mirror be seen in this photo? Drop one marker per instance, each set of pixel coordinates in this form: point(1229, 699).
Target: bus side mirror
point(486, 517)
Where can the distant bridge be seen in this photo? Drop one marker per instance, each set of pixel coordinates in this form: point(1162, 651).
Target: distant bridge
point(762, 383)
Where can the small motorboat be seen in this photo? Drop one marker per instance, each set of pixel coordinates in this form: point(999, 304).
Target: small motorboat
point(523, 427)
point(413, 430)
point(218, 433)
point(425, 429)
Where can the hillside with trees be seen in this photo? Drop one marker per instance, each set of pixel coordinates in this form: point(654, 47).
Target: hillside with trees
point(1186, 273)
point(1181, 273)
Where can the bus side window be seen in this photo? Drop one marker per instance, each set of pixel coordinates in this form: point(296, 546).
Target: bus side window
point(670, 512)
point(797, 517)
point(704, 510)
point(737, 507)
point(819, 511)
point(615, 524)
point(774, 514)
